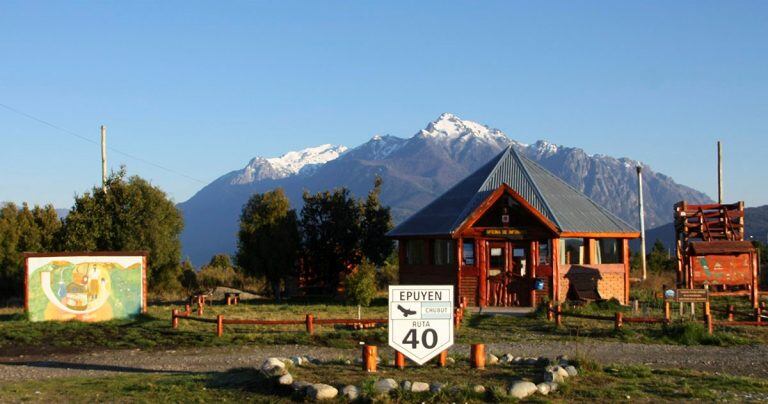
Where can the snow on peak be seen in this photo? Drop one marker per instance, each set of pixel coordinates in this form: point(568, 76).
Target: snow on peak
point(291, 163)
point(451, 127)
point(294, 161)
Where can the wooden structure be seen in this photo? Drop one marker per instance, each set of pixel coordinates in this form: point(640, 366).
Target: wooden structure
point(513, 234)
point(711, 251)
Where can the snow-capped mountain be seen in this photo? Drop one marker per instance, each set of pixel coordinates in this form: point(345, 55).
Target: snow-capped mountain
point(303, 162)
point(415, 170)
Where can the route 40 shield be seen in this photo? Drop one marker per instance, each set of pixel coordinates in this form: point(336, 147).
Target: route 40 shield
point(420, 320)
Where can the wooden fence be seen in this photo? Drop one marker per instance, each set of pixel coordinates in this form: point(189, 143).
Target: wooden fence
point(556, 314)
point(309, 321)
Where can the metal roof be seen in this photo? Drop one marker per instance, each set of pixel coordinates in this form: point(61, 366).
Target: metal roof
point(566, 207)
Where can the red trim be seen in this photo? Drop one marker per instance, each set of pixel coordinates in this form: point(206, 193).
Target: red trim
point(492, 198)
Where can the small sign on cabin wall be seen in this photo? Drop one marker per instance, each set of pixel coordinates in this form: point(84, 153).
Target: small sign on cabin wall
point(420, 320)
point(510, 232)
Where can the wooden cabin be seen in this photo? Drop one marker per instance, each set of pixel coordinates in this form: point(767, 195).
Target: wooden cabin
point(513, 234)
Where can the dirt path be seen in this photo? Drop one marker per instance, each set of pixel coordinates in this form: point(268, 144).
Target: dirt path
point(744, 360)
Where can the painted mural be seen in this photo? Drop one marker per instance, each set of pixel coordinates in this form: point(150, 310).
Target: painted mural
point(84, 288)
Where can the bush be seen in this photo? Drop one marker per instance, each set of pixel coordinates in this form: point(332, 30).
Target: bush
point(210, 277)
point(360, 287)
point(388, 274)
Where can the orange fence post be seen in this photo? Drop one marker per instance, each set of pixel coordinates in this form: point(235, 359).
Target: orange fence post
point(730, 312)
point(758, 316)
point(399, 360)
point(187, 309)
point(550, 316)
point(707, 308)
point(558, 315)
point(710, 325)
point(219, 325)
point(199, 309)
point(619, 322)
point(667, 312)
point(442, 360)
point(310, 322)
point(369, 358)
point(477, 356)
point(174, 319)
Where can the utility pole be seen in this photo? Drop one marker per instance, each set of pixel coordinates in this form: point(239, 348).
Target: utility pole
point(719, 173)
point(104, 158)
point(642, 218)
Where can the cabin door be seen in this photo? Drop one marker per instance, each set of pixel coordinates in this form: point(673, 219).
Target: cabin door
point(508, 280)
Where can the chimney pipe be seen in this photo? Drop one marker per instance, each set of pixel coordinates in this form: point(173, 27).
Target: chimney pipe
point(642, 218)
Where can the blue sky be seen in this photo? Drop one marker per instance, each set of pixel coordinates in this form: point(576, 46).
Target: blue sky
point(202, 87)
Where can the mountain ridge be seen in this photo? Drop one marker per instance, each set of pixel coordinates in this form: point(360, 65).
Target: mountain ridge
point(418, 169)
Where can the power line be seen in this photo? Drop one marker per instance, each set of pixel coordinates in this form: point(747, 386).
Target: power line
point(89, 140)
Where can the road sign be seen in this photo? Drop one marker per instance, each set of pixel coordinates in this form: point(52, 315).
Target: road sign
point(420, 320)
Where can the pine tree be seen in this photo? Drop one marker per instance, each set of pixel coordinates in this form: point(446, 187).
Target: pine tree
point(376, 222)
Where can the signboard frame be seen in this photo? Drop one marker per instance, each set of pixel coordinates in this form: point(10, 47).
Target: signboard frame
point(421, 320)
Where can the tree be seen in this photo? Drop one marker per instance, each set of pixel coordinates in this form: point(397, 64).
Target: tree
point(22, 230)
point(659, 260)
point(188, 277)
point(132, 215)
point(332, 231)
point(268, 240)
point(360, 286)
point(376, 222)
point(220, 261)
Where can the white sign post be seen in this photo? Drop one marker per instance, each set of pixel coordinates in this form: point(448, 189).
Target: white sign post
point(420, 320)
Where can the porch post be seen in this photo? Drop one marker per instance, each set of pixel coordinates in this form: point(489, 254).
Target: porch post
point(625, 250)
point(555, 293)
point(458, 255)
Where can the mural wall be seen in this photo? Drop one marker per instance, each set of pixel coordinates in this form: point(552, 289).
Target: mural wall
point(85, 287)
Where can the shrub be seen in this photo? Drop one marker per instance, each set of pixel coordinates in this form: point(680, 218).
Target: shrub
point(210, 277)
point(386, 275)
point(360, 286)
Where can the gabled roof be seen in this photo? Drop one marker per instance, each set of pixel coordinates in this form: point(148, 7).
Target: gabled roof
point(568, 209)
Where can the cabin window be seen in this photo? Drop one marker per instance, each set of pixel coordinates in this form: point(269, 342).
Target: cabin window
point(414, 252)
point(609, 251)
point(468, 252)
point(572, 251)
point(442, 251)
point(545, 252)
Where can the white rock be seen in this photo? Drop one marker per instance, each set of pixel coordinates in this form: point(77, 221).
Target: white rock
point(492, 359)
point(351, 392)
point(419, 387)
point(543, 388)
point(506, 358)
point(561, 371)
point(383, 386)
point(321, 391)
point(273, 367)
point(552, 386)
point(450, 361)
point(522, 389)
point(571, 370)
point(285, 380)
point(478, 388)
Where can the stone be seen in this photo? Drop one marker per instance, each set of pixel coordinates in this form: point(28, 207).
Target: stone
point(297, 360)
point(406, 385)
point(273, 367)
point(571, 370)
point(419, 387)
point(478, 388)
point(506, 358)
point(543, 388)
point(384, 386)
point(450, 361)
point(561, 371)
point(531, 361)
point(321, 391)
point(436, 387)
point(492, 359)
point(522, 389)
point(552, 386)
point(285, 380)
point(555, 374)
point(350, 392)
point(299, 386)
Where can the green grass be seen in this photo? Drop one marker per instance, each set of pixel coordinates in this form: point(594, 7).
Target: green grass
point(596, 383)
point(153, 329)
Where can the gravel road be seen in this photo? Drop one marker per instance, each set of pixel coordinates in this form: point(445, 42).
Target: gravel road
point(742, 360)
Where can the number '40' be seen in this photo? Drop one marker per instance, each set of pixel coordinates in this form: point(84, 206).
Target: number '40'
point(428, 338)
